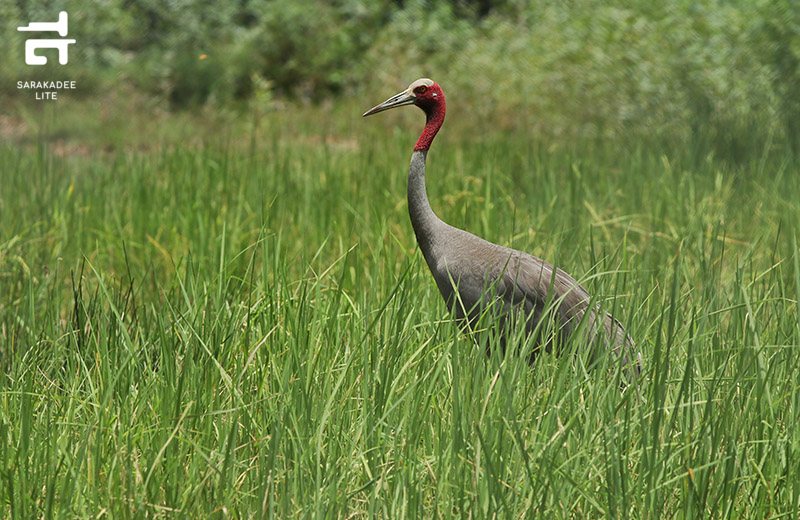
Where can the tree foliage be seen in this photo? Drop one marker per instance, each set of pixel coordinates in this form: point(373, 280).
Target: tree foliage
point(725, 72)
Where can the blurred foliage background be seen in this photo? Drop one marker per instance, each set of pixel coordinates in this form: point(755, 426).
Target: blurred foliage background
point(723, 72)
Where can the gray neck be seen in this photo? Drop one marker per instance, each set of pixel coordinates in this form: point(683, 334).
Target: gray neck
point(423, 219)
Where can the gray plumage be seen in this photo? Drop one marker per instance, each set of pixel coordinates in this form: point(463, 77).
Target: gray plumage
point(475, 276)
point(472, 273)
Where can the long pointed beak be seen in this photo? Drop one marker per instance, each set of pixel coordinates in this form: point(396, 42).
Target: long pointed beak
point(403, 98)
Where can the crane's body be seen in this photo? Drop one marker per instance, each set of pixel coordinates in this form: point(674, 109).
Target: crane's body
point(474, 275)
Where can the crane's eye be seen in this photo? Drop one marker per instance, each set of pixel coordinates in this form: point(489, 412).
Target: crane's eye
point(420, 90)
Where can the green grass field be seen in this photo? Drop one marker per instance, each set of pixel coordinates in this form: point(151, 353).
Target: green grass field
point(236, 323)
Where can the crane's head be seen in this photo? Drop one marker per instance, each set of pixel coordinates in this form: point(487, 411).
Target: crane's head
point(425, 93)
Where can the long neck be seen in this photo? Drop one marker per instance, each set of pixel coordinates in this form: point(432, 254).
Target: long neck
point(423, 219)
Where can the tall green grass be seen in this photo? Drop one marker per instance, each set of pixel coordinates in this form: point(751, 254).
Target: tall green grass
point(243, 327)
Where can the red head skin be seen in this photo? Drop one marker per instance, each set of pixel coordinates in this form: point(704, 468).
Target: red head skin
point(431, 101)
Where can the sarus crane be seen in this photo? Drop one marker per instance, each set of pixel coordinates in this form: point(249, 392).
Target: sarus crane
point(475, 276)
